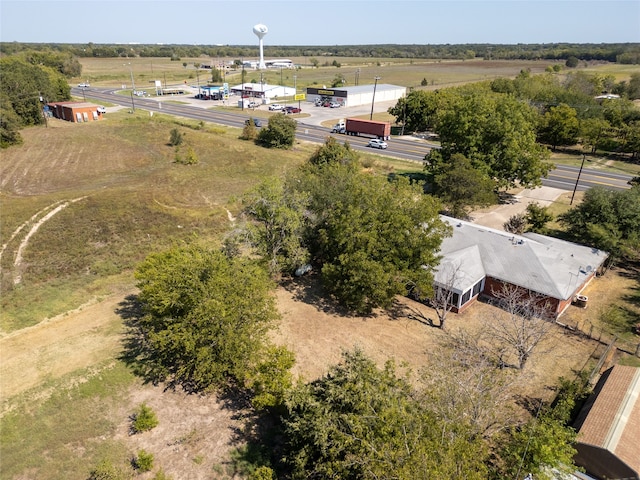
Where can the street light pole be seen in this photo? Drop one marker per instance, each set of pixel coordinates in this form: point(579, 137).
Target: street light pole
point(374, 97)
point(577, 179)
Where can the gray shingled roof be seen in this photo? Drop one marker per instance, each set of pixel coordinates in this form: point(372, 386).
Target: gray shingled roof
point(546, 265)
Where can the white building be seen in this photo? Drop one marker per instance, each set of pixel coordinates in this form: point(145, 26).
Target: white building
point(354, 96)
point(264, 92)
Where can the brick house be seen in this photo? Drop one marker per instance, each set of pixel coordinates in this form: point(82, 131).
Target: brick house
point(478, 260)
point(609, 426)
point(75, 111)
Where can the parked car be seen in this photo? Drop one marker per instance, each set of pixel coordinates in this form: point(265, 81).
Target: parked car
point(101, 109)
point(292, 110)
point(375, 143)
point(84, 85)
point(256, 122)
point(276, 107)
point(334, 105)
point(253, 104)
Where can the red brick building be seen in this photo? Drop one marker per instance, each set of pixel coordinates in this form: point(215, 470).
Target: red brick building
point(478, 260)
point(78, 112)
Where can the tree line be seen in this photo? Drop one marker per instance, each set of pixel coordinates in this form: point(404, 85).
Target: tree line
point(497, 134)
point(30, 80)
point(626, 53)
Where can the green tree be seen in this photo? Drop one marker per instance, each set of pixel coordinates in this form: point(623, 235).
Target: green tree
point(272, 379)
point(279, 133)
point(361, 422)
point(633, 88)
point(63, 62)
point(460, 186)
point(333, 152)
point(338, 81)
point(537, 217)
point(144, 419)
point(572, 62)
point(206, 317)
point(24, 87)
point(496, 132)
point(9, 123)
point(592, 131)
point(417, 111)
point(279, 213)
point(559, 126)
point(373, 238)
point(608, 220)
point(216, 75)
point(631, 139)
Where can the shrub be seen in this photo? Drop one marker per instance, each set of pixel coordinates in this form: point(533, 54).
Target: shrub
point(106, 470)
point(249, 132)
point(516, 224)
point(262, 473)
point(191, 158)
point(175, 138)
point(160, 475)
point(144, 461)
point(144, 419)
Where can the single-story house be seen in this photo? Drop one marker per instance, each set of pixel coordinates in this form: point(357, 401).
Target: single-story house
point(480, 260)
point(608, 441)
point(75, 111)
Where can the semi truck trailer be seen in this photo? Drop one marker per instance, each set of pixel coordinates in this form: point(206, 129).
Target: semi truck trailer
point(371, 128)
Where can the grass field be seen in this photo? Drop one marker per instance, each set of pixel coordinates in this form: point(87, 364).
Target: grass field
point(115, 72)
point(65, 394)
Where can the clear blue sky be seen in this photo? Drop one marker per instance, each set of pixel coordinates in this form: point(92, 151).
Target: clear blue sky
point(319, 22)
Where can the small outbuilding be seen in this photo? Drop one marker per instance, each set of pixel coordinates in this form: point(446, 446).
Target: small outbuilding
point(77, 112)
point(608, 441)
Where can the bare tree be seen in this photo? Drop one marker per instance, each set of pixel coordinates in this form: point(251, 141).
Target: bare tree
point(442, 299)
point(464, 387)
point(523, 326)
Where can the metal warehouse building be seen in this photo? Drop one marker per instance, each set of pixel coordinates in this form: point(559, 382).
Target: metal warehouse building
point(354, 96)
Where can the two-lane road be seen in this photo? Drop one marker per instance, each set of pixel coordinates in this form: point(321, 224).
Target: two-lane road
point(562, 177)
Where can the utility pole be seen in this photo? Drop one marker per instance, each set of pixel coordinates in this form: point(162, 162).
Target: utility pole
point(577, 179)
point(374, 97)
point(133, 87)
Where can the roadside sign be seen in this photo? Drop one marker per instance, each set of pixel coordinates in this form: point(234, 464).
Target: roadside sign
point(300, 96)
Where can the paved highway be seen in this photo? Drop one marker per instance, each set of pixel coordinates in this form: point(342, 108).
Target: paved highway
point(563, 177)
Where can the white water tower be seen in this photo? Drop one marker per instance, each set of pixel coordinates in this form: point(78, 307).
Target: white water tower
point(260, 31)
